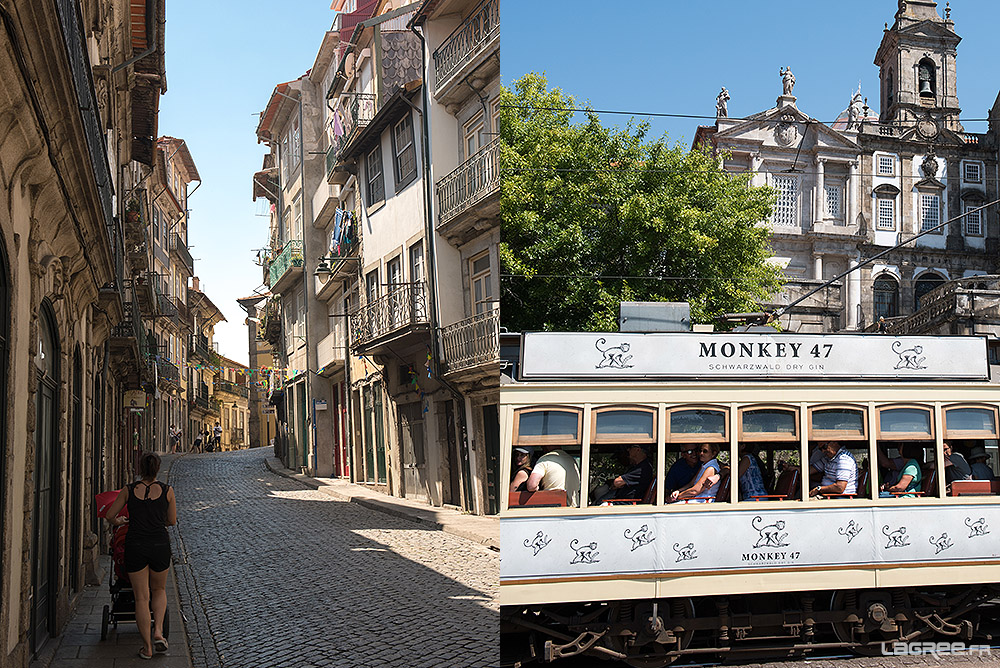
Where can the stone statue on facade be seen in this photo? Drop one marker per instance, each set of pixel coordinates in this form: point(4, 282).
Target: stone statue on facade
point(855, 111)
point(787, 80)
point(721, 106)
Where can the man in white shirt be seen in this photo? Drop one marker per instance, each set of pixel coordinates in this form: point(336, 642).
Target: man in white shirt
point(556, 469)
point(840, 471)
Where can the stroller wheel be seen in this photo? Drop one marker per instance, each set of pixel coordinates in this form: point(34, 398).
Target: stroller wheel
point(105, 618)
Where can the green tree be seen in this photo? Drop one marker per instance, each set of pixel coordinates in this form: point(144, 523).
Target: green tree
point(593, 216)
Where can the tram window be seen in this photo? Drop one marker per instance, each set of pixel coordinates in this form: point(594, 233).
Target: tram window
point(837, 423)
point(905, 423)
point(970, 422)
point(548, 425)
point(628, 425)
point(906, 470)
point(698, 425)
point(854, 469)
point(778, 464)
point(622, 456)
point(770, 424)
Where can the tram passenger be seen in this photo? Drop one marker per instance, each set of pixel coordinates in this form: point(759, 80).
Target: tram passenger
point(840, 471)
point(634, 483)
point(683, 469)
point(522, 470)
point(910, 475)
point(556, 469)
point(955, 465)
point(705, 484)
point(981, 470)
point(751, 478)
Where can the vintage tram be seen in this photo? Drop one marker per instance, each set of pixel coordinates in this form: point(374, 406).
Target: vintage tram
point(647, 582)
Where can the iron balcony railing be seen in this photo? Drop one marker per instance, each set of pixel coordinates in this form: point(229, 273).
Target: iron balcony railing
point(362, 111)
point(200, 397)
point(198, 345)
point(290, 256)
point(467, 41)
point(472, 342)
point(168, 371)
point(179, 248)
point(470, 182)
point(331, 156)
point(166, 306)
point(403, 306)
point(236, 437)
point(231, 388)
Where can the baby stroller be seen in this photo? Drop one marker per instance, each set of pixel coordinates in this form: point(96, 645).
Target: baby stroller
point(122, 608)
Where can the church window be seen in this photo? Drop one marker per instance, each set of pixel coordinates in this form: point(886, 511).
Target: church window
point(889, 91)
point(924, 284)
point(973, 173)
point(886, 297)
point(834, 201)
point(885, 165)
point(926, 78)
point(973, 220)
point(785, 214)
point(930, 212)
point(886, 219)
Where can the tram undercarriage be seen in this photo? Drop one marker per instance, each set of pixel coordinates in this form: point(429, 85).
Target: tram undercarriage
point(655, 633)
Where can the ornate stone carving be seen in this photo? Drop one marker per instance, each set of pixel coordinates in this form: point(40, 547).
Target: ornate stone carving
point(929, 165)
point(721, 108)
point(787, 80)
point(785, 132)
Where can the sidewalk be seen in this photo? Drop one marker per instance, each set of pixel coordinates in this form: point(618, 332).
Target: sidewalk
point(483, 530)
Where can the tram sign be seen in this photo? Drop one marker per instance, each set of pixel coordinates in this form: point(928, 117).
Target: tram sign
point(135, 400)
point(595, 355)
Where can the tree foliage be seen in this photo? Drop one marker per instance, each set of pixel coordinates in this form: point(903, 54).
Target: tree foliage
point(593, 216)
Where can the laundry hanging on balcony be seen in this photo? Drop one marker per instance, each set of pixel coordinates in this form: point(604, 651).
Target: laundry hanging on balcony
point(343, 236)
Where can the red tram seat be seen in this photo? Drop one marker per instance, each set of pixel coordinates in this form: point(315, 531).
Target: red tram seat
point(973, 487)
point(551, 498)
point(929, 486)
point(722, 496)
point(786, 487)
point(647, 498)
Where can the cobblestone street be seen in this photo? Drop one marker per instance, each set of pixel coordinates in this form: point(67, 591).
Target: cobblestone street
point(271, 574)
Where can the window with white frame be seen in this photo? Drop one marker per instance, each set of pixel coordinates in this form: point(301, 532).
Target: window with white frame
point(473, 132)
point(785, 209)
point(972, 173)
point(973, 219)
point(494, 117)
point(394, 272)
point(886, 214)
point(417, 262)
point(886, 165)
point(482, 289)
point(300, 318)
point(930, 211)
point(834, 201)
point(371, 285)
point(297, 217)
point(373, 169)
point(405, 151)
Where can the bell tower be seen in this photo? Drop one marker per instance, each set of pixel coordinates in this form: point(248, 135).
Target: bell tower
point(917, 68)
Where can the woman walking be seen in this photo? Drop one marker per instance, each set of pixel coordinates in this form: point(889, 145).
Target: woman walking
point(151, 509)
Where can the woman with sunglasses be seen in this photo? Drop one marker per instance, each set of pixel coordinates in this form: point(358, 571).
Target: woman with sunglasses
point(705, 484)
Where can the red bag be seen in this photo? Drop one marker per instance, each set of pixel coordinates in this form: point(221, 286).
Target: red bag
point(104, 501)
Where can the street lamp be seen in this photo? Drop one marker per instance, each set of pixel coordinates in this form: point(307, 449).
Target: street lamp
point(325, 263)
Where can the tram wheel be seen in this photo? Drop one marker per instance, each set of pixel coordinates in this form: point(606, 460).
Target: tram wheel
point(650, 656)
point(653, 654)
point(868, 642)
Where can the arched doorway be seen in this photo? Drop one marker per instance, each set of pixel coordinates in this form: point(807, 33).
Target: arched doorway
point(886, 297)
point(44, 537)
point(925, 284)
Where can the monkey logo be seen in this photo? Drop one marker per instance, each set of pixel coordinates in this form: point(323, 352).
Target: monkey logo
point(851, 530)
point(909, 358)
point(685, 553)
point(942, 543)
point(977, 528)
point(897, 538)
point(770, 535)
point(641, 537)
point(614, 357)
point(585, 554)
point(539, 542)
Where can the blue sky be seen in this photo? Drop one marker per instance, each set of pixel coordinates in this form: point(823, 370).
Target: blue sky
point(673, 56)
point(223, 61)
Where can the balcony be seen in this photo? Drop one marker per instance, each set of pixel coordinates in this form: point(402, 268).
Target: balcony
point(390, 318)
point(472, 344)
point(198, 347)
point(181, 252)
point(961, 306)
point(183, 313)
point(230, 388)
point(166, 307)
point(285, 266)
point(355, 116)
point(168, 374)
point(136, 237)
point(331, 351)
point(475, 182)
point(466, 48)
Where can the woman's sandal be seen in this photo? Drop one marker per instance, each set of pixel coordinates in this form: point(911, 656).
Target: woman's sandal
point(160, 645)
point(143, 655)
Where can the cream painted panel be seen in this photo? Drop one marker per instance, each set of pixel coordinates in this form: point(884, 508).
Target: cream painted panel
point(607, 590)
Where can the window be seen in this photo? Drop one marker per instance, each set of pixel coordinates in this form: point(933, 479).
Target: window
point(886, 297)
point(473, 133)
point(548, 425)
point(300, 318)
point(886, 165)
point(926, 78)
point(699, 425)
point(973, 220)
point(373, 168)
point(156, 224)
point(834, 200)
point(371, 285)
point(785, 213)
point(886, 215)
point(768, 424)
point(285, 157)
point(930, 212)
point(837, 422)
point(924, 284)
point(295, 144)
point(482, 289)
point(417, 262)
point(624, 425)
point(907, 423)
point(405, 151)
point(970, 422)
point(972, 173)
point(297, 217)
point(394, 272)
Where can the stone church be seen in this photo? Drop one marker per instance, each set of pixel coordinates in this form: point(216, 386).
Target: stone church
point(852, 189)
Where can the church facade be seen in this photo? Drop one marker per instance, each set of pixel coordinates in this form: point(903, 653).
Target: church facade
point(851, 190)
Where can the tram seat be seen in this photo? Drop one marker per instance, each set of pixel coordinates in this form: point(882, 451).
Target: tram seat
point(974, 487)
point(647, 498)
point(722, 496)
point(785, 488)
point(551, 498)
point(929, 486)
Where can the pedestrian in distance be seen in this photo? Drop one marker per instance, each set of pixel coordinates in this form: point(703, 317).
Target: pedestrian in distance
point(151, 509)
point(217, 432)
point(196, 446)
point(175, 437)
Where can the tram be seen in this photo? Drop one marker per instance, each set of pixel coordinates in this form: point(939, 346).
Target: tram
point(649, 581)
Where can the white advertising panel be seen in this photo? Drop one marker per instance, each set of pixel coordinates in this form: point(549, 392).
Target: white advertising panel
point(731, 540)
point(705, 356)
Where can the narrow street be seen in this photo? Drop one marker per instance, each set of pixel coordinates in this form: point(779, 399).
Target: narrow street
point(271, 574)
